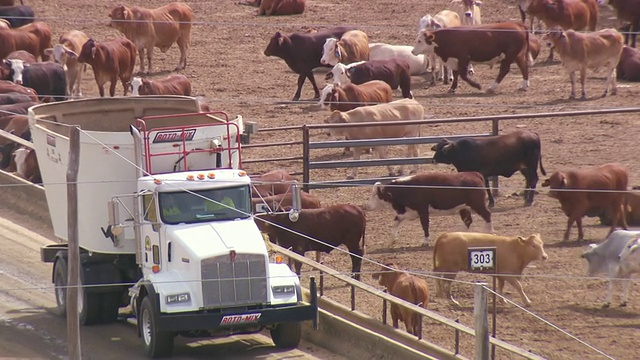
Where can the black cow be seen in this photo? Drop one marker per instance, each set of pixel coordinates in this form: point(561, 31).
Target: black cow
point(17, 15)
point(302, 53)
point(500, 155)
point(48, 79)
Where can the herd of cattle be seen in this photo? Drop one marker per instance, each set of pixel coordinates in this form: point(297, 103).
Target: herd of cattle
point(363, 76)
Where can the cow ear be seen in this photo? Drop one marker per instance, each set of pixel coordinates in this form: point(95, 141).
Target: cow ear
point(93, 51)
point(447, 148)
point(337, 53)
point(546, 183)
point(72, 54)
point(350, 72)
point(521, 240)
point(429, 38)
point(334, 92)
point(7, 62)
point(280, 40)
point(478, 3)
point(563, 181)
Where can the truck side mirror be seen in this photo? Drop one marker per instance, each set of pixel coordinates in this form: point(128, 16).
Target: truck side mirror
point(296, 202)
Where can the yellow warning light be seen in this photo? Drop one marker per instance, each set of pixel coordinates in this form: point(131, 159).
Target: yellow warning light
point(278, 259)
point(190, 177)
point(155, 269)
point(200, 176)
point(242, 173)
point(157, 181)
point(211, 175)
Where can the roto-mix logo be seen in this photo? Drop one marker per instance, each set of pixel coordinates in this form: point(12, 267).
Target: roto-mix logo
point(174, 135)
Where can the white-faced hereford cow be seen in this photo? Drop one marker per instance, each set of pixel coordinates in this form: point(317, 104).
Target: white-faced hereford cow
point(351, 47)
point(500, 155)
point(583, 190)
point(443, 19)
point(319, 230)
point(394, 71)
point(408, 288)
point(505, 43)
point(595, 50)
point(417, 196)
point(604, 258)
point(513, 254)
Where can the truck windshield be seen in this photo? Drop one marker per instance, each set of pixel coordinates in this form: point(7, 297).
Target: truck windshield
point(205, 205)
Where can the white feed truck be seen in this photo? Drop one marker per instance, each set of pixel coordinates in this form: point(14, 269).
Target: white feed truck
point(165, 222)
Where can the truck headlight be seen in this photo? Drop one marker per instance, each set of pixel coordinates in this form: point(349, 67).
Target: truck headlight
point(283, 289)
point(178, 298)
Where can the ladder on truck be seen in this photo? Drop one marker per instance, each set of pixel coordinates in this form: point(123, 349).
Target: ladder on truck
point(180, 142)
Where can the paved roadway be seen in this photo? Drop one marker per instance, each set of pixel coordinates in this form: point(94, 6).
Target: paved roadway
point(29, 328)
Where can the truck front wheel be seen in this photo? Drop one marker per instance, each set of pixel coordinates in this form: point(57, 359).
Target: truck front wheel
point(286, 335)
point(156, 343)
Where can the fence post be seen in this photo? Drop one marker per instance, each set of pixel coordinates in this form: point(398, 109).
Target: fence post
point(481, 320)
point(495, 129)
point(305, 158)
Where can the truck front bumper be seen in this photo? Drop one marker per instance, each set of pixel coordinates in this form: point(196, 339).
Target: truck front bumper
point(238, 318)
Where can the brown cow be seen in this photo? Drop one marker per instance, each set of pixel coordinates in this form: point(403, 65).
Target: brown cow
point(459, 47)
point(566, 14)
point(161, 28)
point(271, 183)
point(350, 96)
point(11, 87)
point(43, 32)
point(629, 11)
point(415, 196)
point(13, 39)
point(69, 43)
point(27, 164)
point(25, 56)
point(595, 50)
point(594, 183)
point(631, 211)
point(283, 202)
point(513, 254)
point(176, 84)
point(281, 7)
point(351, 47)
point(407, 287)
point(321, 230)
point(110, 60)
point(629, 65)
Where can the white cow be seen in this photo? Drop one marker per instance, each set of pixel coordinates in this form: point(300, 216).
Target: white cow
point(443, 19)
point(629, 264)
point(418, 65)
point(64, 53)
point(605, 258)
point(470, 11)
point(339, 73)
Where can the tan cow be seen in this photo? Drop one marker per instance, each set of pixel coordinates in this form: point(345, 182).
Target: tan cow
point(272, 183)
point(582, 51)
point(408, 288)
point(353, 46)
point(161, 28)
point(513, 254)
point(399, 110)
point(69, 43)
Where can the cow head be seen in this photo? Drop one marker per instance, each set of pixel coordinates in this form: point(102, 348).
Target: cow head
point(331, 54)
point(630, 257)
point(88, 51)
point(425, 43)
point(60, 54)
point(386, 275)
point(557, 180)
point(533, 247)
point(119, 14)
point(134, 87)
point(427, 22)
point(327, 96)
point(17, 67)
point(277, 45)
point(554, 37)
point(379, 199)
point(444, 152)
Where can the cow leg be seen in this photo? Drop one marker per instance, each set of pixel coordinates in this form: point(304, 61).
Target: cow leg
point(141, 56)
point(447, 288)
point(580, 232)
point(424, 221)
point(515, 282)
point(463, 67)
point(572, 77)
point(523, 64)
point(492, 201)
point(301, 79)
point(316, 91)
point(356, 261)
point(500, 290)
point(583, 79)
point(570, 221)
point(531, 181)
point(394, 315)
point(465, 215)
point(607, 300)
point(550, 58)
point(611, 81)
point(454, 83)
point(504, 70)
point(382, 154)
point(356, 156)
point(412, 151)
point(149, 55)
point(626, 284)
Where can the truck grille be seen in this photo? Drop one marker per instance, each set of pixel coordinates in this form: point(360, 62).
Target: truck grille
point(237, 283)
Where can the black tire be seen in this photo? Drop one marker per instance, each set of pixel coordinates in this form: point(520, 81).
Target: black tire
point(89, 305)
point(286, 335)
point(110, 307)
point(157, 344)
point(60, 285)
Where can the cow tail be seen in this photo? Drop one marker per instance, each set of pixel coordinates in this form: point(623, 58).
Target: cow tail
point(364, 229)
point(542, 167)
point(539, 152)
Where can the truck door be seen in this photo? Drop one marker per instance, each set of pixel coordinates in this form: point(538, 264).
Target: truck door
point(150, 236)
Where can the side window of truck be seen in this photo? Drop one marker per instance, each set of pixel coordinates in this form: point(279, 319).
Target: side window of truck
point(149, 208)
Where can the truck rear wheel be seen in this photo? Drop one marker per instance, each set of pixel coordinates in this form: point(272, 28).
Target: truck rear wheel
point(156, 343)
point(286, 335)
point(60, 285)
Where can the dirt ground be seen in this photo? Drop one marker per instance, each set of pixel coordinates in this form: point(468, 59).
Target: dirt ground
point(226, 65)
